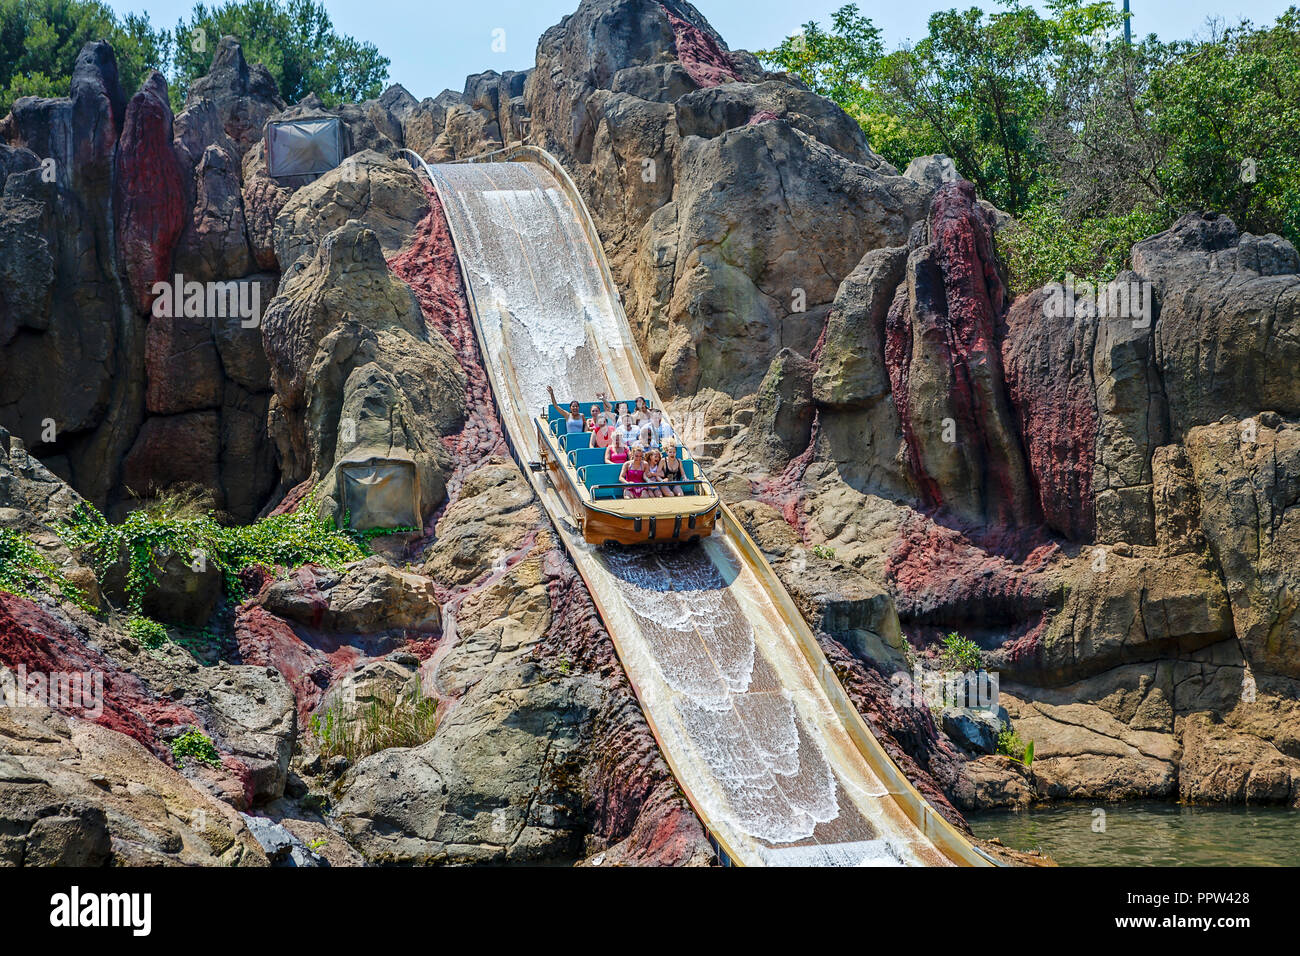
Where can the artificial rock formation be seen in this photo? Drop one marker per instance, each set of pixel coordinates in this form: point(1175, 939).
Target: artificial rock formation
point(1102, 502)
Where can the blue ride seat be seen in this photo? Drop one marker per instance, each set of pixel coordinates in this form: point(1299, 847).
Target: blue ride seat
point(576, 440)
point(582, 457)
point(688, 472)
point(602, 475)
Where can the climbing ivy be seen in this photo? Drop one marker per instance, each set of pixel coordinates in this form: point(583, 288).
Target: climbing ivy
point(26, 572)
point(150, 535)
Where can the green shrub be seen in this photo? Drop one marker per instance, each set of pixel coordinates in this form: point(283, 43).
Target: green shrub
point(1043, 245)
point(177, 525)
point(26, 572)
point(146, 630)
point(961, 653)
point(1010, 745)
point(193, 744)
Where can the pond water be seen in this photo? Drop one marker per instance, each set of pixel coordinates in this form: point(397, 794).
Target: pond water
point(1148, 834)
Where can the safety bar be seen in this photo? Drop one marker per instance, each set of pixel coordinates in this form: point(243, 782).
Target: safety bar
point(652, 484)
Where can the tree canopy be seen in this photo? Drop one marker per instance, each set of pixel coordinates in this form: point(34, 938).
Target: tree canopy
point(296, 39)
point(1089, 142)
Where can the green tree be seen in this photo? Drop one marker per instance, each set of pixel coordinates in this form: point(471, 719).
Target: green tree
point(844, 64)
point(294, 38)
point(40, 40)
point(1229, 111)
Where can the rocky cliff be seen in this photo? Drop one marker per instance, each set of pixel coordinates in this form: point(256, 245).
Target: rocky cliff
point(1103, 502)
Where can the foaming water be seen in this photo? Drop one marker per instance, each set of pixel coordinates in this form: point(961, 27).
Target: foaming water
point(777, 783)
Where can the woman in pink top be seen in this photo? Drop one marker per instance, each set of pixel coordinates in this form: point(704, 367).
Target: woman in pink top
point(633, 473)
point(616, 453)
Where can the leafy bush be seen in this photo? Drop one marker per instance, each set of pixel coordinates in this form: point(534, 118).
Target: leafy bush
point(146, 630)
point(961, 653)
point(172, 526)
point(1044, 245)
point(26, 572)
point(193, 744)
point(1010, 744)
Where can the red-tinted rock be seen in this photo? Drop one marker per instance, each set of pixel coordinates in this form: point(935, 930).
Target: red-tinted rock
point(945, 369)
point(149, 194)
point(270, 641)
point(700, 52)
point(1048, 362)
point(432, 269)
point(45, 644)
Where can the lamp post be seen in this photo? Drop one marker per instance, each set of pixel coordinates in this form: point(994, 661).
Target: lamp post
point(1128, 32)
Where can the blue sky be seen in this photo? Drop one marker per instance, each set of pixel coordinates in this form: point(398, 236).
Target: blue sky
point(436, 45)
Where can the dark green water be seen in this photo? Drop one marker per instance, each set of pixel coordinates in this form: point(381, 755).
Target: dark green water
point(1149, 834)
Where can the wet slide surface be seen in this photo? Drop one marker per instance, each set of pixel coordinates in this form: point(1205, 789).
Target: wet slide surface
point(756, 731)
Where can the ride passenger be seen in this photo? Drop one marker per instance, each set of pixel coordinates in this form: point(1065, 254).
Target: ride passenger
point(672, 469)
point(654, 473)
point(641, 415)
point(631, 434)
point(647, 438)
point(616, 453)
point(574, 421)
point(603, 413)
point(663, 431)
point(633, 473)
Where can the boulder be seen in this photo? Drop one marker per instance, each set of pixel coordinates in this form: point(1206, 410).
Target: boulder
point(149, 193)
point(369, 598)
point(946, 371)
point(76, 794)
point(354, 367)
point(1223, 766)
point(1247, 476)
point(245, 97)
point(973, 730)
point(851, 369)
point(384, 194)
point(76, 381)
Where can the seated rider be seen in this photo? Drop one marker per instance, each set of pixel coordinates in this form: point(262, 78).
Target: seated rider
point(654, 473)
point(663, 431)
point(647, 438)
point(616, 453)
point(641, 414)
point(672, 469)
point(573, 419)
point(633, 473)
point(602, 413)
point(630, 432)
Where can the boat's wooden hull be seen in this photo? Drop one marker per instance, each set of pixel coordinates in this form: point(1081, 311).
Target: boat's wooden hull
point(599, 527)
